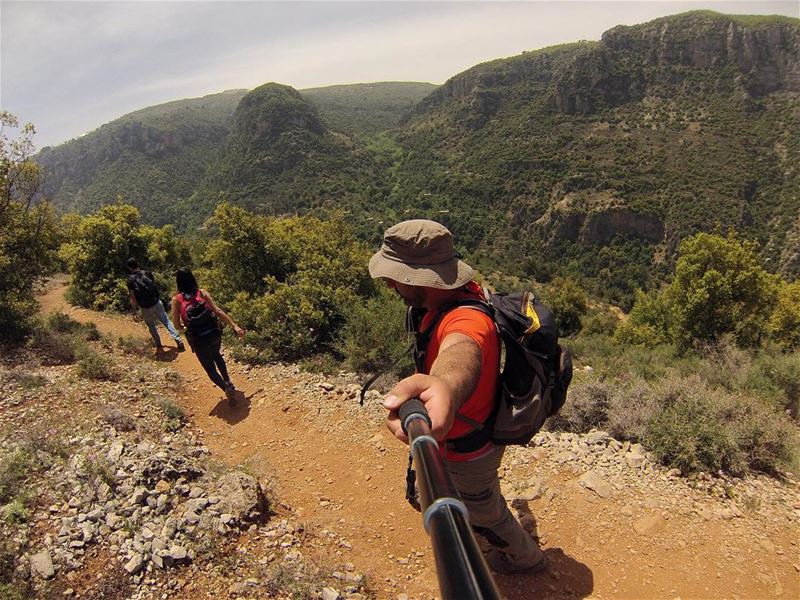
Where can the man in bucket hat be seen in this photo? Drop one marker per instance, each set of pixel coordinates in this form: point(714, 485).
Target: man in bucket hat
point(456, 379)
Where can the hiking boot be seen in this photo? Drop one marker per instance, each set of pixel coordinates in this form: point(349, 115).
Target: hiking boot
point(179, 345)
point(499, 563)
point(230, 394)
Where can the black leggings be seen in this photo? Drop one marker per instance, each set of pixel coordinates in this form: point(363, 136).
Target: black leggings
point(208, 353)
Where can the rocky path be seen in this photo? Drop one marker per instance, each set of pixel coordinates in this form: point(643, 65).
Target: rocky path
point(613, 524)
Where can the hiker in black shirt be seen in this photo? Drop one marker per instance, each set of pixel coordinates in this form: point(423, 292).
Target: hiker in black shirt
point(144, 297)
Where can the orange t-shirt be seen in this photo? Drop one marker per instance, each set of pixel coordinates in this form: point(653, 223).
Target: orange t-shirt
point(478, 407)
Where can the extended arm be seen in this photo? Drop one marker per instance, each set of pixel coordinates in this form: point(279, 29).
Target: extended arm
point(176, 314)
point(222, 314)
point(453, 378)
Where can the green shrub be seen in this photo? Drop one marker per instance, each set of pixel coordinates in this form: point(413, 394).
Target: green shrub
point(27, 381)
point(783, 372)
point(373, 337)
point(174, 414)
point(14, 468)
point(648, 323)
point(784, 324)
point(62, 322)
point(93, 365)
point(719, 287)
point(99, 247)
point(289, 282)
point(701, 428)
point(55, 348)
point(586, 407)
point(568, 302)
point(16, 512)
point(600, 322)
point(131, 344)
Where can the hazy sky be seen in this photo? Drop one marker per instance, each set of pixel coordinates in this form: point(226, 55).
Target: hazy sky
point(69, 67)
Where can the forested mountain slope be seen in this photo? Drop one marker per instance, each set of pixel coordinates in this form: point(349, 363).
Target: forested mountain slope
point(592, 158)
point(151, 157)
point(602, 156)
point(366, 108)
point(280, 157)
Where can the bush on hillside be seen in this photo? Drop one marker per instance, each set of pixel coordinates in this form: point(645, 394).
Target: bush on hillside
point(648, 323)
point(289, 282)
point(702, 428)
point(784, 324)
point(685, 422)
point(102, 243)
point(373, 337)
point(718, 288)
point(569, 303)
point(29, 233)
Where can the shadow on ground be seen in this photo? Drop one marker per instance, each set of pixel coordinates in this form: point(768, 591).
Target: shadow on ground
point(564, 578)
point(164, 354)
point(236, 413)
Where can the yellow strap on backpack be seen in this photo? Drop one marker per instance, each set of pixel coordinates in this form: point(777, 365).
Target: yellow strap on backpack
point(532, 315)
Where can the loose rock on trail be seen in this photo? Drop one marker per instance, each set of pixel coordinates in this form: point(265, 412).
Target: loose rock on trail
point(613, 524)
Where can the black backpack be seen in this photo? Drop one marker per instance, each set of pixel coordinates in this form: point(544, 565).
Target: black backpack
point(536, 370)
point(144, 288)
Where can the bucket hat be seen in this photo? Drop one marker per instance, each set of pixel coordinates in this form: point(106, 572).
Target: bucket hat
point(420, 252)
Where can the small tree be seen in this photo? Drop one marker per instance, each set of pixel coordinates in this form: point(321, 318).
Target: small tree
point(28, 230)
point(102, 243)
point(569, 303)
point(719, 287)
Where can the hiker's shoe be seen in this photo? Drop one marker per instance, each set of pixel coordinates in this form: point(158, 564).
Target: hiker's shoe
point(499, 563)
point(180, 346)
point(230, 394)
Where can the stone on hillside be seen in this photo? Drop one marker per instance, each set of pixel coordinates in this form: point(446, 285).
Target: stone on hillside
point(139, 496)
point(635, 461)
point(330, 594)
point(328, 387)
point(135, 564)
point(115, 453)
point(649, 525)
point(596, 437)
point(241, 496)
point(597, 484)
point(170, 528)
point(42, 564)
point(168, 468)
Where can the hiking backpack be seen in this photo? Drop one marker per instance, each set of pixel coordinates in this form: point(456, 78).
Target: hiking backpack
point(200, 320)
point(144, 289)
point(535, 374)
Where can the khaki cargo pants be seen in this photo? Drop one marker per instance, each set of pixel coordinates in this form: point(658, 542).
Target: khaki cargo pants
point(479, 486)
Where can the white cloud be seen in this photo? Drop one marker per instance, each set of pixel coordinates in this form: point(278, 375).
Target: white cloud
point(69, 67)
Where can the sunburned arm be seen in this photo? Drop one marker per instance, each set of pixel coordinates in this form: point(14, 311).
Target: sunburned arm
point(222, 314)
point(453, 378)
point(459, 365)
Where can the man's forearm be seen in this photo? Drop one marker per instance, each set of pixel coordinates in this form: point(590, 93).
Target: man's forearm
point(459, 366)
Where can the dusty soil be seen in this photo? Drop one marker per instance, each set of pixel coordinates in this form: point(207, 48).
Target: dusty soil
point(334, 466)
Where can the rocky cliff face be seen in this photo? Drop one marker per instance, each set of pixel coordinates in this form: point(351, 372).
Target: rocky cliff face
point(767, 55)
point(595, 219)
point(630, 61)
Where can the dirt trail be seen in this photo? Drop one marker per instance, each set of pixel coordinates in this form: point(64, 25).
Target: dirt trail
point(352, 486)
